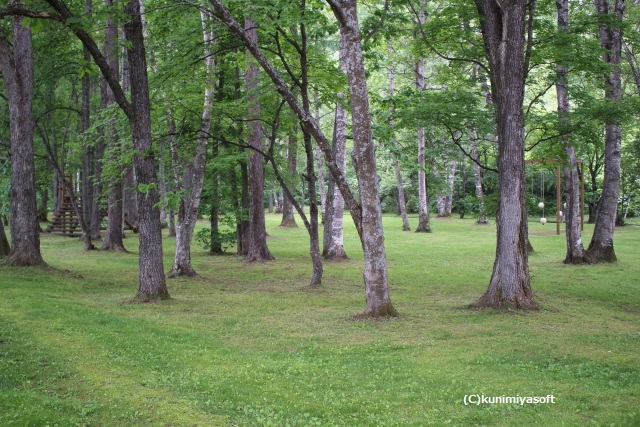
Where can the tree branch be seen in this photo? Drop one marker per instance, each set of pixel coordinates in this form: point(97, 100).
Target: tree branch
point(527, 54)
point(97, 55)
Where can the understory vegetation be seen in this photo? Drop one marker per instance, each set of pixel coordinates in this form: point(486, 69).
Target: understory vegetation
point(252, 345)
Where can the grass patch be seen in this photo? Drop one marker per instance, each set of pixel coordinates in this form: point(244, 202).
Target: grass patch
point(253, 345)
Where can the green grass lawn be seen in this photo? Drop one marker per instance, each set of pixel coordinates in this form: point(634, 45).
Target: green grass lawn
point(252, 345)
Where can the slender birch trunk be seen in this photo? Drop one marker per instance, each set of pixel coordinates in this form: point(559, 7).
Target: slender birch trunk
point(448, 203)
point(576, 253)
point(424, 225)
point(288, 220)
point(375, 260)
point(320, 168)
point(402, 205)
point(193, 178)
point(334, 215)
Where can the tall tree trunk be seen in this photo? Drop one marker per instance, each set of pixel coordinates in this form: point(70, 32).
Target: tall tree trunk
point(130, 205)
point(96, 191)
point(113, 235)
point(43, 210)
point(477, 176)
point(486, 92)
point(152, 283)
point(441, 202)
point(87, 150)
point(424, 225)
point(16, 64)
point(172, 222)
point(601, 246)
point(242, 227)
point(503, 28)
point(194, 176)
point(375, 261)
point(402, 206)
point(327, 234)
point(334, 215)
point(448, 201)
point(279, 201)
point(314, 242)
point(257, 236)
point(214, 219)
point(288, 220)
point(575, 250)
point(321, 184)
point(162, 182)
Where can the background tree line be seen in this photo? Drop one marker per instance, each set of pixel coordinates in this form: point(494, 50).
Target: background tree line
point(163, 112)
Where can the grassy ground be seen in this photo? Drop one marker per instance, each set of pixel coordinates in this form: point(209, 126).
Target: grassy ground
point(252, 345)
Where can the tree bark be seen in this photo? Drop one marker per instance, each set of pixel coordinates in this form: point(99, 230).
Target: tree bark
point(601, 246)
point(576, 253)
point(214, 219)
point(503, 28)
point(402, 205)
point(162, 182)
point(242, 228)
point(194, 175)
point(312, 228)
point(321, 180)
point(375, 261)
point(314, 242)
point(43, 210)
point(96, 191)
point(448, 200)
point(288, 220)
point(16, 65)
point(477, 176)
point(257, 236)
point(113, 238)
point(424, 225)
point(334, 205)
point(85, 121)
point(130, 205)
point(151, 284)
point(333, 246)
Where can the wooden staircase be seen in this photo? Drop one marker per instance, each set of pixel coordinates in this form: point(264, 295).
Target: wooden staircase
point(65, 220)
